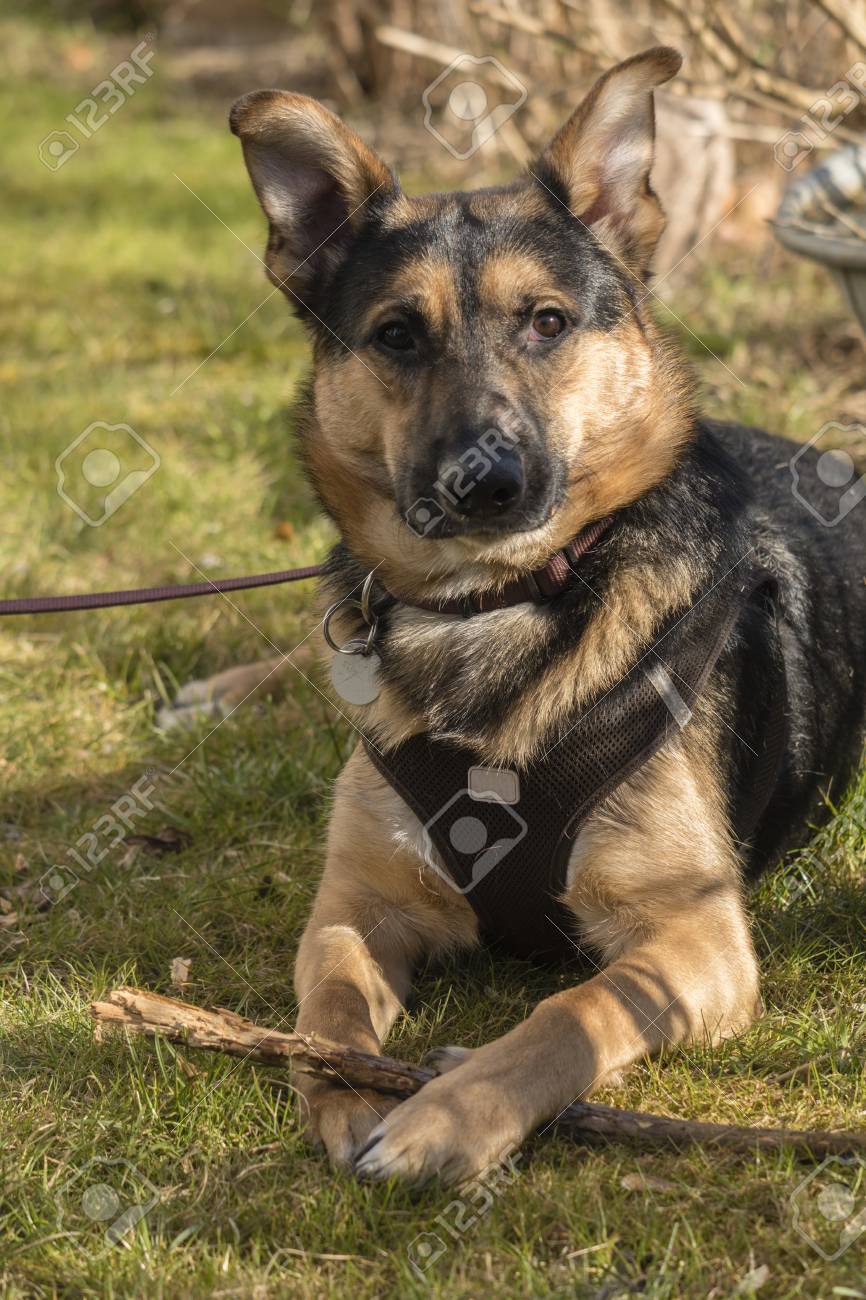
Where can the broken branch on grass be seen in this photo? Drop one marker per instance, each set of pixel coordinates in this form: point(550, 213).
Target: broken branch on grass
point(225, 1031)
point(137, 1011)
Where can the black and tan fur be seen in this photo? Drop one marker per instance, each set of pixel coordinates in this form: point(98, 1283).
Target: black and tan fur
point(607, 423)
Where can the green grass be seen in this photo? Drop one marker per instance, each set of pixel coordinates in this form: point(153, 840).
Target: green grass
point(117, 284)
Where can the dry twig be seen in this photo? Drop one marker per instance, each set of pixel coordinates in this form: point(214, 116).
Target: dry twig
point(850, 16)
point(219, 1030)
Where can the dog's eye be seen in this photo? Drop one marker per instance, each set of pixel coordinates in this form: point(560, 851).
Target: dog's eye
point(547, 324)
point(395, 336)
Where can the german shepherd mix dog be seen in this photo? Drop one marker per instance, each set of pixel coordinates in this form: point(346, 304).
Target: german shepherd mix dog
point(615, 637)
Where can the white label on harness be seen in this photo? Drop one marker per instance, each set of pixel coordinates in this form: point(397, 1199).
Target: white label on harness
point(661, 680)
point(493, 785)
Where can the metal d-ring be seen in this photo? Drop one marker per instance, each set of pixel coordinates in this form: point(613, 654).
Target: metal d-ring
point(355, 646)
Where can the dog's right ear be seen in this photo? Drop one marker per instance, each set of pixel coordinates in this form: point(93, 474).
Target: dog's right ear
point(598, 164)
point(313, 177)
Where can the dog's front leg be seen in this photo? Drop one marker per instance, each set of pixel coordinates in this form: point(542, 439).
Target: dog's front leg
point(657, 890)
point(371, 922)
point(351, 980)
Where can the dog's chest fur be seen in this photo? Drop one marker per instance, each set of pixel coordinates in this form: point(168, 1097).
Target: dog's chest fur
point(504, 683)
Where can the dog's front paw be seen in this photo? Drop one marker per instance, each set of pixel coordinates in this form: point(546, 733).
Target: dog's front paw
point(453, 1129)
point(341, 1119)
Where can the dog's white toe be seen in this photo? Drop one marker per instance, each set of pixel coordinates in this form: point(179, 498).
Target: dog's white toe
point(443, 1059)
point(198, 691)
point(169, 716)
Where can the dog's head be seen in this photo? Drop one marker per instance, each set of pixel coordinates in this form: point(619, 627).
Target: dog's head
point(486, 381)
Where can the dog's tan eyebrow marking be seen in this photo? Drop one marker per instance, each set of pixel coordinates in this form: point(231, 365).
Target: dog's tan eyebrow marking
point(506, 280)
point(427, 285)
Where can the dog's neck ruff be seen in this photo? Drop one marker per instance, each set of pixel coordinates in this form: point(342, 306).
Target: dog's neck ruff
point(536, 587)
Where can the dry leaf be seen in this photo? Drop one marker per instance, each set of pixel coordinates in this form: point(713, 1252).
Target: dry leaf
point(180, 971)
point(168, 839)
point(187, 1069)
point(284, 530)
point(646, 1183)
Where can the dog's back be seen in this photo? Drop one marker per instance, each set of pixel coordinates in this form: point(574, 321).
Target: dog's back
point(808, 524)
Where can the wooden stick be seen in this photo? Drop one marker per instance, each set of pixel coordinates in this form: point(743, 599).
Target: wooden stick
point(424, 48)
point(849, 17)
point(225, 1031)
point(738, 62)
point(137, 1011)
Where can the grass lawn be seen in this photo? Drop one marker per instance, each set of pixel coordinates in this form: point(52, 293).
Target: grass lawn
point(118, 284)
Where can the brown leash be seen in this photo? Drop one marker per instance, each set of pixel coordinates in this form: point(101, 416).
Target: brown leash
point(537, 586)
point(146, 595)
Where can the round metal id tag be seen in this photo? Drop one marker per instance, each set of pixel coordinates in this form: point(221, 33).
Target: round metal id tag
point(355, 675)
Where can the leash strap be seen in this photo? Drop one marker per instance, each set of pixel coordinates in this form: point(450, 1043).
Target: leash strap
point(147, 595)
point(539, 586)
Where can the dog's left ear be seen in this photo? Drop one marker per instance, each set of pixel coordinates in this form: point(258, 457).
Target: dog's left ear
point(315, 180)
point(599, 162)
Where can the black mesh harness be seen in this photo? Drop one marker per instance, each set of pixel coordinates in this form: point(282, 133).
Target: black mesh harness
point(503, 837)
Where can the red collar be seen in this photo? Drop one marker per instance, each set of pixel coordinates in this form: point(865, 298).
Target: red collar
point(537, 586)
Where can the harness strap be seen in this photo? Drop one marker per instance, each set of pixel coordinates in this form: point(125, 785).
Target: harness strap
point(504, 838)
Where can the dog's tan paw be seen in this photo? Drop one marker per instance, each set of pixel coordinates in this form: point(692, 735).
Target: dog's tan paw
point(452, 1130)
point(214, 698)
point(342, 1119)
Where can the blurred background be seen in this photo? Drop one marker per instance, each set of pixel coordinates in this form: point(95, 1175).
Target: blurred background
point(753, 72)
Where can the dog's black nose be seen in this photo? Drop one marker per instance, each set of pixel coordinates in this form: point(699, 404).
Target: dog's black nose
point(487, 490)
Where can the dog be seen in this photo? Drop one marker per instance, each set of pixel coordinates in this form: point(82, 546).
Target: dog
point(541, 539)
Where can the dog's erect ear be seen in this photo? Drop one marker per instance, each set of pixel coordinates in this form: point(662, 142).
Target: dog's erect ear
point(313, 177)
point(599, 162)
